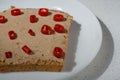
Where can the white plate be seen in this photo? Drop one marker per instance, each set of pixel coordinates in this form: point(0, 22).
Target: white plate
point(84, 43)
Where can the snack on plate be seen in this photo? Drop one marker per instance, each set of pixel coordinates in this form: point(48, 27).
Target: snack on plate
point(33, 39)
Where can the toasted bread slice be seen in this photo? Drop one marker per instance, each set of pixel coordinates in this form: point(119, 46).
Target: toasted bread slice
point(28, 48)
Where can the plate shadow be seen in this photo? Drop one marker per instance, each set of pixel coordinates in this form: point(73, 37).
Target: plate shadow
point(102, 60)
point(72, 46)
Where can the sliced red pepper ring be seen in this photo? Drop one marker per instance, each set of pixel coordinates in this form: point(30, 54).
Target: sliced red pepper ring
point(26, 49)
point(12, 35)
point(8, 54)
point(15, 12)
point(31, 32)
point(58, 17)
point(59, 28)
point(43, 12)
point(33, 19)
point(58, 52)
point(46, 29)
point(2, 19)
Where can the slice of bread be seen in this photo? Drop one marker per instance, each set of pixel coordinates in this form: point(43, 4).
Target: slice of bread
point(23, 46)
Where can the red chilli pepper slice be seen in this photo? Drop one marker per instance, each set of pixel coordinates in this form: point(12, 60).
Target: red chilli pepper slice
point(58, 52)
point(31, 32)
point(12, 35)
point(26, 49)
point(58, 17)
point(59, 28)
point(33, 19)
point(8, 54)
point(15, 12)
point(2, 19)
point(46, 30)
point(43, 12)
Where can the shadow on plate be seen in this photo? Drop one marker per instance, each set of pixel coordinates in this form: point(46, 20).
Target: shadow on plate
point(102, 60)
point(72, 46)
